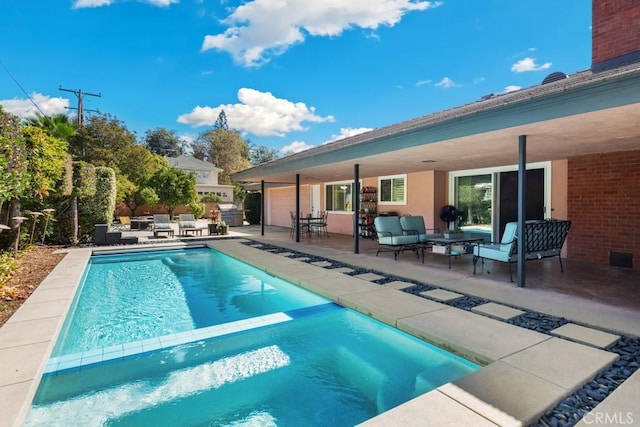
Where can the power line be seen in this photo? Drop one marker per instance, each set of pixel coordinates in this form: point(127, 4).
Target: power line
point(80, 95)
point(22, 89)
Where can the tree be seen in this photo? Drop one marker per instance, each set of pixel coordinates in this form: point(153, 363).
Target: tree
point(101, 141)
point(146, 196)
point(221, 121)
point(227, 150)
point(173, 187)
point(200, 150)
point(138, 164)
point(163, 142)
point(58, 126)
point(261, 154)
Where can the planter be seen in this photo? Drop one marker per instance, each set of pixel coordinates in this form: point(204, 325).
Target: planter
point(214, 229)
point(224, 229)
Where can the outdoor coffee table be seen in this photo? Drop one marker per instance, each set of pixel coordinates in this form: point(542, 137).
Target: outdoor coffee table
point(448, 243)
point(141, 223)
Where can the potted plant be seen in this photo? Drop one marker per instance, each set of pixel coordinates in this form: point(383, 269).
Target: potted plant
point(214, 225)
point(222, 226)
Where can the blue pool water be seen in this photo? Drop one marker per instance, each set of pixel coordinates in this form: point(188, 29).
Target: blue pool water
point(131, 297)
point(259, 351)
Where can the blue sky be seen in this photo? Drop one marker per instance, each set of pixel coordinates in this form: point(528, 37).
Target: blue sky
point(289, 74)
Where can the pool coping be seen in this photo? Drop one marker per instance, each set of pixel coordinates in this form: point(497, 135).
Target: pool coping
point(539, 369)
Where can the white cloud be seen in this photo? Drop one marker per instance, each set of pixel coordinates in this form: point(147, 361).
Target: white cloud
point(91, 3)
point(24, 108)
point(346, 133)
point(188, 138)
point(529, 64)
point(298, 146)
point(478, 80)
point(446, 83)
point(511, 88)
point(295, 147)
point(260, 29)
point(423, 82)
point(161, 3)
point(79, 4)
point(259, 113)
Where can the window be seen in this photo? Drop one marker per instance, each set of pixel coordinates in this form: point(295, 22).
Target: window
point(393, 189)
point(339, 196)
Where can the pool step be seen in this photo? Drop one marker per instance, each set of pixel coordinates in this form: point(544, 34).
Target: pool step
point(76, 361)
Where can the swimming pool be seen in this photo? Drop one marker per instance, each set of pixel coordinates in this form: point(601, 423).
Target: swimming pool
point(301, 361)
point(135, 296)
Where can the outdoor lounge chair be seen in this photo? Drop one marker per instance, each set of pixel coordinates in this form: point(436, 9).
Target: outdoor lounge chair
point(187, 224)
point(542, 238)
point(414, 226)
point(124, 224)
point(504, 251)
point(162, 224)
point(391, 238)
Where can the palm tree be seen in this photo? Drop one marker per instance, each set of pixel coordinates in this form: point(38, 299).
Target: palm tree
point(58, 126)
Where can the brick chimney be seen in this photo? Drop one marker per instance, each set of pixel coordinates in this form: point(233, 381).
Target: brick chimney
point(615, 33)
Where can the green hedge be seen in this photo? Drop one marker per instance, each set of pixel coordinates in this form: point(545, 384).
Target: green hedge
point(95, 206)
point(252, 207)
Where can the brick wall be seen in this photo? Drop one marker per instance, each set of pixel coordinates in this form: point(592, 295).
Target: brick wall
point(603, 201)
point(615, 29)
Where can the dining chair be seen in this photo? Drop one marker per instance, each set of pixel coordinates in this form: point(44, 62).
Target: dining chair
point(304, 225)
point(319, 225)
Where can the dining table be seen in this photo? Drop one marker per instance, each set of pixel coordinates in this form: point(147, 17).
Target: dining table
point(307, 220)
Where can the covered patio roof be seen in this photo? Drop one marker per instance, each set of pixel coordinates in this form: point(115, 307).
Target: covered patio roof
point(584, 113)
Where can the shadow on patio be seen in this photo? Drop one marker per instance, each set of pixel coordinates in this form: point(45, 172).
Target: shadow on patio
point(615, 286)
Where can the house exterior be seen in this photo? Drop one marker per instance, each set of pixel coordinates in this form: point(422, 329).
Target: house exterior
point(206, 176)
point(577, 134)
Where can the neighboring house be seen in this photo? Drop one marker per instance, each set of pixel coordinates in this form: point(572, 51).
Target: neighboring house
point(578, 134)
point(206, 176)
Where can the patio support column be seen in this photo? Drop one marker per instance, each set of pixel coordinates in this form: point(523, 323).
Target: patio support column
point(298, 207)
point(262, 207)
point(522, 205)
point(356, 208)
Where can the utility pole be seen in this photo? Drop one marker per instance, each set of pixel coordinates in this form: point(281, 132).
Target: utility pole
point(80, 94)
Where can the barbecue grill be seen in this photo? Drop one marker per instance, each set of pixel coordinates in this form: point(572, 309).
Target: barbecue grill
point(230, 214)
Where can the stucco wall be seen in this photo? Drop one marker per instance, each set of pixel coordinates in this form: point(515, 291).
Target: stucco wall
point(282, 201)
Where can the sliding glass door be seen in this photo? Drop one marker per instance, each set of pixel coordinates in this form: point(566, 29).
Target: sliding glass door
point(487, 199)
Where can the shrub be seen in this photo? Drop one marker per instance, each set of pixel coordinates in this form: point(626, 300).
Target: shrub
point(211, 198)
point(196, 208)
point(8, 265)
point(252, 207)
